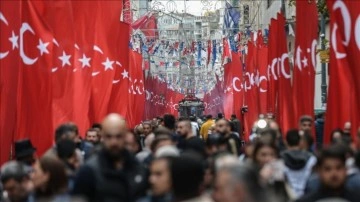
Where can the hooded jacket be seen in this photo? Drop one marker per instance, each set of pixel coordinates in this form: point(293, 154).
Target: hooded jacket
point(298, 168)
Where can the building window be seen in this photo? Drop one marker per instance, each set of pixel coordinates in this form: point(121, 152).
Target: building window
point(246, 14)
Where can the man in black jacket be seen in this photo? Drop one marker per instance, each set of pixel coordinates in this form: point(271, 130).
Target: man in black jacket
point(332, 174)
point(113, 174)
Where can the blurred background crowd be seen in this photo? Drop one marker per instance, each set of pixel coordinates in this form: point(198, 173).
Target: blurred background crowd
point(195, 159)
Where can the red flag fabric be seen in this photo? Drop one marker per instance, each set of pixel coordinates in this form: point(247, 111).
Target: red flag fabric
point(237, 83)
point(120, 84)
point(285, 115)
point(233, 91)
point(149, 27)
point(34, 101)
point(62, 59)
point(10, 64)
point(344, 85)
point(272, 66)
point(83, 64)
point(105, 58)
point(251, 90)
point(136, 96)
point(262, 82)
point(226, 57)
point(305, 55)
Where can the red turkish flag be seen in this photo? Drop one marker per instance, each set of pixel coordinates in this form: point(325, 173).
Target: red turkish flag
point(136, 90)
point(251, 91)
point(272, 67)
point(237, 83)
point(105, 59)
point(34, 102)
point(344, 85)
point(285, 108)
point(10, 63)
point(262, 79)
point(83, 63)
point(120, 84)
point(305, 56)
point(62, 27)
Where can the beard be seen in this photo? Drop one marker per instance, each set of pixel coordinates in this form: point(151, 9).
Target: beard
point(115, 153)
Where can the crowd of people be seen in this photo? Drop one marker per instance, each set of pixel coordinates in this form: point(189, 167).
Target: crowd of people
point(195, 159)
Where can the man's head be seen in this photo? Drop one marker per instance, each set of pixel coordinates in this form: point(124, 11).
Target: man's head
point(293, 138)
point(220, 116)
point(114, 132)
point(331, 167)
point(160, 176)
point(238, 183)
point(97, 126)
point(169, 121)
point(66, 151)
point(66, 131)
point(92, 136)
point(233, 116)
point(347, 127)
point(306, 123)
point(132, 143)
point(25, 152)
point(184, 128)
point(15, 180)
point(209, 117)
point(187, 173)
point(160, 141)
point(223, 127)
point(147, 128)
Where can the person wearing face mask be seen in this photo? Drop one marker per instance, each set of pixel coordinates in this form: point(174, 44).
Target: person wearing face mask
point(112, 174)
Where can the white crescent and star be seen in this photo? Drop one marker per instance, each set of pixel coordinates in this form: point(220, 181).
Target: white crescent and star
point(108, 64)
point(85, 61)
point(43, 47)
point(125, 74)
point(65, 59)
point(14, 40)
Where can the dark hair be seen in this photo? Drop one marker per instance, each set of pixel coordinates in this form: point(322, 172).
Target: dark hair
point(162, 131)
point(332, 152)
point(96, 125)
point(261, 144)
point(192, 118)
point(228, 123)
point(209, 116)
point(158, 139)
point(213, 139)
point(187, 174)
point(65, 149)
point(233, 116)
point(169, 121)
point(305, 118)
point(91, 130)
point(58, 181)
point(63, 129)
point(293, 137)
point(220, 116)
point(13, 170)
